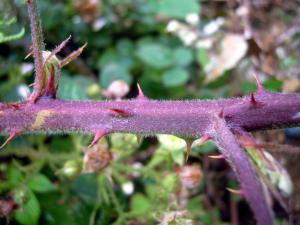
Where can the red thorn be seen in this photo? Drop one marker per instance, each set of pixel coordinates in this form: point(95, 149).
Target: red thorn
point(11, 136)
point(98, 136)
point(72, 56)
point(238, 192)
point(119, 112)
point(254, 102)
point(141, 95)
point(216, 156)
point(15, 106)
point(221, 113)
point(204, 139)
point(57, 50)
point(260, 88)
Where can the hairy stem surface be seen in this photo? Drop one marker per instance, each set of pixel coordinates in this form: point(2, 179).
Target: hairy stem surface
point(37, 43)
point(182, 118)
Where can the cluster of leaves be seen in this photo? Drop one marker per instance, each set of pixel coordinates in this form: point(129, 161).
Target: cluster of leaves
point(163, 46)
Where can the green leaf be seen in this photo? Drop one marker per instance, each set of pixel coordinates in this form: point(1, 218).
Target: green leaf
point(125, 142)
point(114, 71)
point(159, 156)
point(273, 85)
point(40, 183)
point(8, 22)
point(125, 47)
point(87, 192)
point(30, 212)
point(14, 176)
point(140, 204)
point(54, 210)
point(171, 183)
point(120, 57)
point(178, 156)
point(202, 56)
point(182, 56)
point(176, 146)
point(22, 194)
point(248, 87)
point(73, 88)
point(206, 148)
point(155, 55)
point(171, 142)
point(178, 8)
point(175, 77)
point(11, 37)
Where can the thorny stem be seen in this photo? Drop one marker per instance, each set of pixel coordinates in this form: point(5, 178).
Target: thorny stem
point(224, 120)
point(37, 45)
point(190, 119)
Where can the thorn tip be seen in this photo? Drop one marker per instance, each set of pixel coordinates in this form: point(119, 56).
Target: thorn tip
point(11, 136)
point(141, 95)
point(254, 102)
point(204, 139)
point(119, 112)
point(221, 113)
point(238, 192)
point(260, 87)
point(98, 136)
point(220, 156)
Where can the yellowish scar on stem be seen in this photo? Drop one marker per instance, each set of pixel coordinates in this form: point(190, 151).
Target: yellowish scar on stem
point(41, 118)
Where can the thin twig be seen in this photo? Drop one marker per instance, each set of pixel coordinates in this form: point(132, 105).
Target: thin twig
point(37, 46)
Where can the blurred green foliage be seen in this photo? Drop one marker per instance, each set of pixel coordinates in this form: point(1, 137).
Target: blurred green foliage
point(9, 37)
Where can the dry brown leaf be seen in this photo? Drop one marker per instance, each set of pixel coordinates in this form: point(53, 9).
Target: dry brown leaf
point(233, 48)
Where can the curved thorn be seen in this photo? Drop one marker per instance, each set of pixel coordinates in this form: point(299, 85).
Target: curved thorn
point(28, 55)
point(14, 106)
point(141, 95)
point(119, 112)
point(204, 139)
point(72, 56)
point(57, 50)
point(98, 136)
point(234, 191)
point(221, 113)
point(252, 100)
point(11, 136)
point(220, 156)
point(260, 87)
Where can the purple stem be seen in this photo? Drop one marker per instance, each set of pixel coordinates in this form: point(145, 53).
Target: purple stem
point(37, 45)
point(182, 118)
point(243, 168)
point(189, 119)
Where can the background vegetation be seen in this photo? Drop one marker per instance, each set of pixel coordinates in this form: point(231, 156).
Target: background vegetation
point(174, 49)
